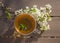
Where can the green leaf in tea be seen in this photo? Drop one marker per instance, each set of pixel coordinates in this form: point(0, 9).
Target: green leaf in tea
point(23, 27)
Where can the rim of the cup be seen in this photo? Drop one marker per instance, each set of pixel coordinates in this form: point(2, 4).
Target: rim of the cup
point(29, 32)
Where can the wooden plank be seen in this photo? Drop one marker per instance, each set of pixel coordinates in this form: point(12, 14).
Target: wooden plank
point(55, 28)
point(48, 41)
point(23, 3)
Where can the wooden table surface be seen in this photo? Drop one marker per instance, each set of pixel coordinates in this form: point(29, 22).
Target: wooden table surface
point(51, 36)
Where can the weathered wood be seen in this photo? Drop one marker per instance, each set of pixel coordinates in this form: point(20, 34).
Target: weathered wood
point(55, 23)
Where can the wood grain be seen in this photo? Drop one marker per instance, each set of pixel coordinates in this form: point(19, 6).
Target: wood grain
point(55, 23)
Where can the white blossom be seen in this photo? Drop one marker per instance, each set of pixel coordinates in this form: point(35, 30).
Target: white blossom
point(48, 6)
point(42, 8)
point(35, 6)
point(17, 12)
point(27, 7)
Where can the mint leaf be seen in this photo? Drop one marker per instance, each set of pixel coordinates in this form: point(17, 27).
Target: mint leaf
point(23, 27)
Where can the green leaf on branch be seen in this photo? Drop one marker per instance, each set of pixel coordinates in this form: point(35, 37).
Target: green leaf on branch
point(42, 19)
point(9, 16)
